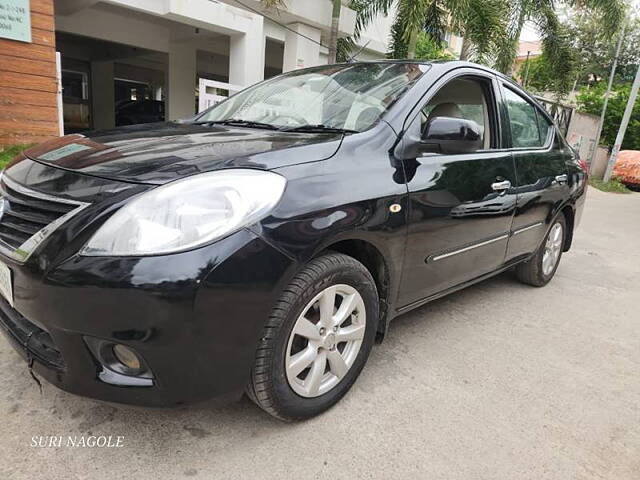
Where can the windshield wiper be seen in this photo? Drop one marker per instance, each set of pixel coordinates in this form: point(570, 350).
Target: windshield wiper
point(318, 128)
point(238, 122)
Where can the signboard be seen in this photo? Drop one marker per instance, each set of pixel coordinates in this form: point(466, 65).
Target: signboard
point(15, 20)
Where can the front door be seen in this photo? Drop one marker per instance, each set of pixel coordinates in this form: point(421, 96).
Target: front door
point(461, 205)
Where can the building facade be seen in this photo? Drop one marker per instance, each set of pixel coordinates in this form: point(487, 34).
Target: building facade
point(132, 61)
point(28, 80)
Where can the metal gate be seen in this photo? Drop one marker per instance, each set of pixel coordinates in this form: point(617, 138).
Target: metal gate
point(561, 113)
point(211, 92)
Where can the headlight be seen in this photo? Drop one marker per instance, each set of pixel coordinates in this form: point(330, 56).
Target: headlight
point(187, 213)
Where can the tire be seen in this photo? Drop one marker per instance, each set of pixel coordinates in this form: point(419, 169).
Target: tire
point(274, 385)
point(533, 271)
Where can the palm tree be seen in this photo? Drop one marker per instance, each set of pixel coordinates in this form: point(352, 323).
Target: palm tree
point(556, 43)
point(481, 21)
point(333, 37)
point(491, 28)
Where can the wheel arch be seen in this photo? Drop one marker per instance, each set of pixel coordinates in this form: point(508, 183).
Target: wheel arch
point(569, 215)
point(374, 261)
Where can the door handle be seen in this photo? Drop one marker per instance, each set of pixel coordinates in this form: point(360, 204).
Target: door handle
point(501, 186)
point(562, 178)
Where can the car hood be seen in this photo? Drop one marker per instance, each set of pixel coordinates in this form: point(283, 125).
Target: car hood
point(160, 153)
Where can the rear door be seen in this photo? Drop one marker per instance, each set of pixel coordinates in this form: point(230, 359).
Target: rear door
point(461, 205)
point(540, 170)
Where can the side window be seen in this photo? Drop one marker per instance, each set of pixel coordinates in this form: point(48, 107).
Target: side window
point(524, 121)
point(543, 126)
point(465, 97)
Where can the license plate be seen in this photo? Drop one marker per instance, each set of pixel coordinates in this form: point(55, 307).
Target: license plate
point(6, 284)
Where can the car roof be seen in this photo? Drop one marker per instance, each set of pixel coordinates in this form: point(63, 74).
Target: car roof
point(445, 64)
point(453, 64)
point(448, 63)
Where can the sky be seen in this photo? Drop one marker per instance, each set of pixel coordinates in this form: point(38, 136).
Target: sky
point(529, 33)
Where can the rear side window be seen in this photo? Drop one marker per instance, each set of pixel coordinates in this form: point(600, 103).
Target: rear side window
point(543, 126)
point(525, 122)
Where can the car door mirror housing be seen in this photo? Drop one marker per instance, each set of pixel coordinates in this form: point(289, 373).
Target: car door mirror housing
point(447, 135)
point(452, 135)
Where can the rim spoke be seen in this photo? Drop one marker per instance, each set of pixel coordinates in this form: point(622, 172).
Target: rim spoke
point(557, 234)
point(302, 360)
point(314, 378)
point(327, 304)
point(352, 332)
point(348, 305)
point(306, 329)
point(337, 365)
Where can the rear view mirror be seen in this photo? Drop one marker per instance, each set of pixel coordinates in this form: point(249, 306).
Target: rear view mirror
point(446, 135)
point(451, 135)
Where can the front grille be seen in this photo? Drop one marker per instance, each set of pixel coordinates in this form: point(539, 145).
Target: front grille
point(28, 217)
point(36, 341)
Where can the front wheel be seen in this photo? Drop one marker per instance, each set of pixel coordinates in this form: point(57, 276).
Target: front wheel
point(541, 268)
point(317, 339)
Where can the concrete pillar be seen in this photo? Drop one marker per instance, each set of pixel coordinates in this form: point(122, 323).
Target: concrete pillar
point(181, 81)
point(103, 95)
point(246, 55)
point(300, 52)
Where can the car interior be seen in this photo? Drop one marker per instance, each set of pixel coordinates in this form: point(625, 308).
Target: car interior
point(461, 98)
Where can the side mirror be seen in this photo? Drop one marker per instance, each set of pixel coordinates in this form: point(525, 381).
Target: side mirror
point(451, 135)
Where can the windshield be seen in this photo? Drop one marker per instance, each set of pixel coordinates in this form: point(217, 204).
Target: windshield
point(346, 97)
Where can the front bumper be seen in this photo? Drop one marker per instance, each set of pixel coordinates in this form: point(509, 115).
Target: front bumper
point(195, 318)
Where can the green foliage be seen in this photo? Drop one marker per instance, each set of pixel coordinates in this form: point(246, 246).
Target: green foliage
point(596, 50)
point(429, 49)
point(484, 25)
point(542, 76)
point(558, 49)
point(591, 99)
point(558, 40)
point(426, 47)
point(492, 28)
point(9, 152)
point(346, 48)
point(481, 21)
point(613, 186)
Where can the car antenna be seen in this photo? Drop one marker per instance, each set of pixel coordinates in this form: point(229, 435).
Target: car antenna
point(351, 59)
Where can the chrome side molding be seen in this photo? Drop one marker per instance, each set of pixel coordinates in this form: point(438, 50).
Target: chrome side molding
point(435, 258)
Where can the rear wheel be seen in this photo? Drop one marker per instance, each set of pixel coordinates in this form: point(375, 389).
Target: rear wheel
point(316, 340)
point(541, 268)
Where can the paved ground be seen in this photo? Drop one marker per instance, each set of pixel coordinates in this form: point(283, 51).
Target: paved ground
point(500, 381)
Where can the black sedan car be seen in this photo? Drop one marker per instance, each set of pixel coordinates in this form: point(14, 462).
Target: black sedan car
point(266, 244)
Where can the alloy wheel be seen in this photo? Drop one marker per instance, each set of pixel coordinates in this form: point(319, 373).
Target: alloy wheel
point(325, 340)
point(552, 249)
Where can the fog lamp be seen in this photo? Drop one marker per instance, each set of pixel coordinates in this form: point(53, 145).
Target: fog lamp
point(127, 357)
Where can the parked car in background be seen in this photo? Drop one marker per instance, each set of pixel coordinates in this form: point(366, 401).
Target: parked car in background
point(139, 111)
point(265, 245)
